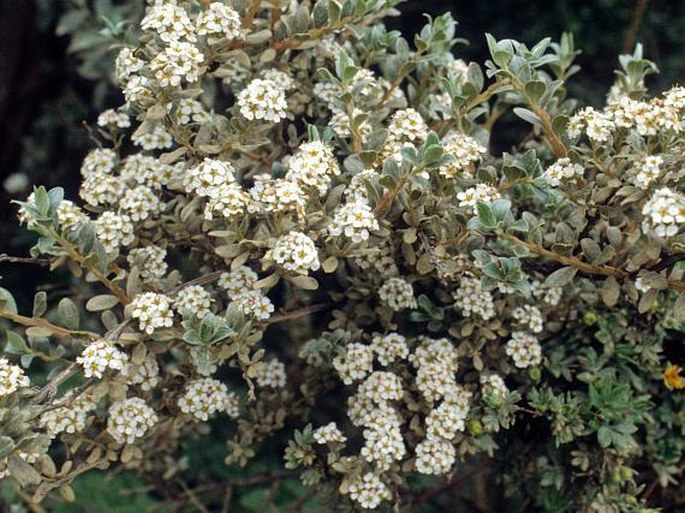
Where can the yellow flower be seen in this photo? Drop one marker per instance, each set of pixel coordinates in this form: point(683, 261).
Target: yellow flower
point(672, 377)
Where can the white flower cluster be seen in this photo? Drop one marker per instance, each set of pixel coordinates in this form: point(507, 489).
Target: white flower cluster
point(69, 215)
point(101, 189)
point(130, 419)
point(204, 397)
point(194, 299)
point(99, 356)
point(254, 303)
point(219, 20)
point(406, 129)
point(271, 374)
point(436, 362)
point(549, 295)
point(113, 118)
point(562, 170)
point(378, 258)
point(328, 434)
point(155, 139)
point(463, 150)
point(340, 123)
point(67, 419)
point(150, 261)
point(383, 443)
point(238, 282)
point(153, 311)
point(648, 171)
point(263, 99)
point(369, 491)
point(295, 252)
point(354, 220)
point(313, 166)
point(389, 348)
point(114, 230)
point(12, 378)
point(208, 176)
point(494, 390)
point(664, 213)
point(480, 193)
point(354, 363)
point(597, 125)
point(524, 349)
point(170, 21)
point(530, 316)
point(276, 195)
point(99, 161)
point(398, 294)
point(228, 201)
point(472, 299)
point(381, 386)
point(140, 203)
point(145, 375)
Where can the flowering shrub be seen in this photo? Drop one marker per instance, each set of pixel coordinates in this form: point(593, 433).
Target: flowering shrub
point(294, 226)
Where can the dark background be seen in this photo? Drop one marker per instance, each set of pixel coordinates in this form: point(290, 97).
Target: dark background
point(50, 82)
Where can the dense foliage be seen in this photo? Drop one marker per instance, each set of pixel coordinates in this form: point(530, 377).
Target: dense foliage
point(295, 237)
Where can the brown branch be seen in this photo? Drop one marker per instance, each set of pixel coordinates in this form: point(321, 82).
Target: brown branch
point(22, 260)
point(38, 322)
point(202, 280)
point(51, 388)
point(634, 26)
point(296, 314)
point(579, 264)
point(251, 13)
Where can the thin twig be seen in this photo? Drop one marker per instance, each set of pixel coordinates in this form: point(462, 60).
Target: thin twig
point(296, 314)
point(634, 26)
point(23, 260)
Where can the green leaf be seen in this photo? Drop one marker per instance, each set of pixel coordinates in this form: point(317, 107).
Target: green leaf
point(101, 302)
point(305, 282)
point(611, 291)
point(16, 343)
point(561, 277)
point(485, 214)
point(320, 13)
point(68, 314)
point(7, 303)
point(40, 303)
point(528, 115)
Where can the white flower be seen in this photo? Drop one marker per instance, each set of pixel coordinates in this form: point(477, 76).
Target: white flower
point(381, 386)
point(194, 299)
point(563, 170)
point(99, 161)
point(12, 378)
point(271, 374)
point(262, 99)
point(664, 213)
point(149, 260)
point(67, 419)
point(369, 491)
point(447, 420)
point(481, 192)
point(238, 281)
point(383, 443)
point(156, 139)
point(146, 375)
point(472, 299)
point(114, 230)
point(296, 252)
point(177, 62)
point(494, 388)
point(435, 456)
point(69, 215)
point(389, 348)
point(313, 166)
point(170, 22)
point(228, 201)
point(204, 397)
point(254, 303)
point(140, 203)
point(152, 311)
point(113, 118)
point(130, 419)
point(530, 316)
point(276, 195)
point(328, 434)
point(99, 356)
point(524, 349)
point(219, 20)
point(100, 189)
point(206, 178)
point(398, 294)
point(354, 220)
point(354, 363)
point(463, 150)
point(649, 170)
